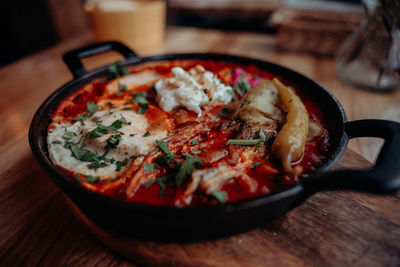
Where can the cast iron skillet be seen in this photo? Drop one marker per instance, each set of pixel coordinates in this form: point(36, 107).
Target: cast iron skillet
point(195, 223)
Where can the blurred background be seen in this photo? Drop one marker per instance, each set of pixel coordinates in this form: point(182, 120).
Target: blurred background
point(312, 26)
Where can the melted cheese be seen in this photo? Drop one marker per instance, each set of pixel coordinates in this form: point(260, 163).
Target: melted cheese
point(191, 90)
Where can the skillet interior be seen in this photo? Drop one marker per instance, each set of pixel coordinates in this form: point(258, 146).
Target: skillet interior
point(189, 223)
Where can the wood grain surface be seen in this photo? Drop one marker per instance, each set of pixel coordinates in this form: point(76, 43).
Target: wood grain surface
point(331, 228)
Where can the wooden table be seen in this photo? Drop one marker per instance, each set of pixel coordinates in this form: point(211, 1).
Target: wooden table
point(38, 228)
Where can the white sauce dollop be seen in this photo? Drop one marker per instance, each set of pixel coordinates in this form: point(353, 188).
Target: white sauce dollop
point(191, 89)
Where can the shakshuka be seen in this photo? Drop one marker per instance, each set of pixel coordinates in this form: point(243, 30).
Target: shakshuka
point(187, 132)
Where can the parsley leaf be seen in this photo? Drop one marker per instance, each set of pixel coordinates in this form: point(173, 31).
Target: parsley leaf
point(78, 177)
point(195, 142)
point(255, 164)
point(120, 164)
point(187, 168)
point(92, 179)
point(146, 134)
point(82, 117)
point(101, 129)
point(243, 142)
point(160, 181)
point(113, 141)
point(68, 135)
point(163, 146)
point(225, 113)
point(198, 152)
point(136, 156)
point(92, 107)
point(121, 87)
point(242, 86)
point(141, 99)
point(117, 70)
point(262, 135)
point(149, 168)
point(221, 196)
point(85, 155)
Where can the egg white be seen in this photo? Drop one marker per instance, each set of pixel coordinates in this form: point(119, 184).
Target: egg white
point(131, 80)
point(133, 142)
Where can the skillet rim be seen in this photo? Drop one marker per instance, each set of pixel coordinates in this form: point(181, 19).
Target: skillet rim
point(67, 89)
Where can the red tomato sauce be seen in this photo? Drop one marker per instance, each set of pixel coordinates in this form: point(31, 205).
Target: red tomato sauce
point(269, 174)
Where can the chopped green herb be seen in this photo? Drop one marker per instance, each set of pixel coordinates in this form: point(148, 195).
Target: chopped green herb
point(141, 99)
point(96, 120)
point(180, 115)
point(225, 113)
point(117, 70)
point(248, 102)
point(163, 146)
point(160, 181)
point(113, 180)
point(291, 100)
point(232, 92)
point(162, 188)
point(195, 142)
point(198, 151)
point(132, 135)
point(162, 160)
point(242, 86)
point(122, 87)
point(97, 164)
point(149, 168)
point(269, 139)
point(187, 168)
point(91, 107)
point(140, 111)
point(113, 141)
point(127, 108)
point(82, 117)
point(92, 179)
point(221, 196)
point(240, 142)
point(68, 135)
point(120, 164)
point(124, 120)
point(85, 155)
point(136, 156)
point(262, 135)
point(257, 147)
point(255, 164)
point(57, 142)
point(146, 134)
point(81, 153)
point(78, 177)
point(101, 129)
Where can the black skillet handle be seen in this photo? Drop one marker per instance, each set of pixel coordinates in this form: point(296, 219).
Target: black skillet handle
point(73, 57)
point(383, 178)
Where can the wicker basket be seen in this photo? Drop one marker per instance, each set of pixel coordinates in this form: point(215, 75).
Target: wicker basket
point(320, 33)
